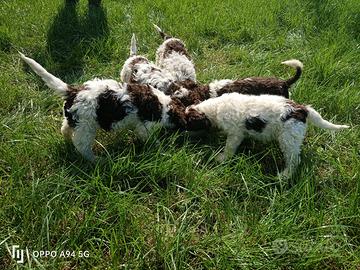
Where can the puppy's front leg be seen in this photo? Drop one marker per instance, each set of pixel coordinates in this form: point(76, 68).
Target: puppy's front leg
point(143, 130)
point(232, 143)
point(83, 139)
point(290, 141)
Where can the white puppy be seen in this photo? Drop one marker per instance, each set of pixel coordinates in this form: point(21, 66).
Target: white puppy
point(265, 117)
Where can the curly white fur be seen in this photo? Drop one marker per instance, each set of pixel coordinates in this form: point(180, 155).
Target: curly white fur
point(138, 69)
point(178, 64)
point(230, 112)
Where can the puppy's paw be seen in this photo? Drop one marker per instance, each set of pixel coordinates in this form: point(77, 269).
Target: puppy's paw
point(284, 175)
point(93, 159)
point(220, 157)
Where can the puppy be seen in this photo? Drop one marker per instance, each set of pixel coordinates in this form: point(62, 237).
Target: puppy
point(264, 117)
point(110, 105)
point(172, 56)
point(190, 92)
point(138, 69)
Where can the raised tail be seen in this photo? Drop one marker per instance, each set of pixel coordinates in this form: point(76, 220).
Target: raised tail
point(133, 48)
point(316, 119)
point(161, 32)
point(51, 81)
point(298, 66)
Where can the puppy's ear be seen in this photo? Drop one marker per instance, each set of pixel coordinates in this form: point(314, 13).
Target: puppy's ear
point(133, 49)
point(177, 114)
point(196, 120)
point(173, 88)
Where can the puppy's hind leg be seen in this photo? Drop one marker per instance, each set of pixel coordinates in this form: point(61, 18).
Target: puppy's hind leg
point(83, 138)
point(290, 141)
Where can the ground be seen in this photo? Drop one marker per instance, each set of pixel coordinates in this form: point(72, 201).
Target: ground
point(171, 206)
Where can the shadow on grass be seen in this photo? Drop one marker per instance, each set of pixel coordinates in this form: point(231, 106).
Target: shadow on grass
point(122, 164)
point(5, 40)
point(126, 163)
point(70, 38)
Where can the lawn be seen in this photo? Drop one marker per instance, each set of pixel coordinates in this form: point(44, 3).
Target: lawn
point(171, 206)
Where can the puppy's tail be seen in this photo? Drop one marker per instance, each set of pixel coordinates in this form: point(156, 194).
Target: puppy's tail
point(316, 119)
point(133, 48)
point(161, 32)
point(51, 81)
point(298, 66)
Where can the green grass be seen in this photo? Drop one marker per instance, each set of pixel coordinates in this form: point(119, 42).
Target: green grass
point(171, 206)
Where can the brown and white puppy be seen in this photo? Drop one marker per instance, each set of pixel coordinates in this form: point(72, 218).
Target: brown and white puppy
point(110, 105)
point(138, 69)
point(190, 92)
point(173, 57)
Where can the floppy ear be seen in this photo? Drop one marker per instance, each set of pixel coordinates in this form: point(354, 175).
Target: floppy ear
point(172, 89)
point(177, 114)
point(196, 120)
point(133, 49)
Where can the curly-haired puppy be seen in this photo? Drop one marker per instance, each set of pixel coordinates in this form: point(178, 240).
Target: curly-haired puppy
point(190, 92)
point(110, 105)
point(138, 69)
point(264, 117)
point(173, 56)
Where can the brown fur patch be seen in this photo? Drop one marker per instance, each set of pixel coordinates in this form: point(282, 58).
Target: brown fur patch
point(177, 113)
point(72, 92)
point(189, 84)
point(111, 109)
point(293, 79)
point(297, 111)
point(250, 86)
point(196, 120)
point(197, 92)
point(257, 86)
point(147, 103)
point(190, 120)
point(172, 88)
point(176, 46)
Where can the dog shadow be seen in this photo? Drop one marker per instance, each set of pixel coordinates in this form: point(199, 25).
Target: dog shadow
point(267, 156)
point(71, 37)
point(121, 153)
point(118, 158)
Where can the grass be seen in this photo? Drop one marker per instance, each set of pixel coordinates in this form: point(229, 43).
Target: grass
point(171, 206)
